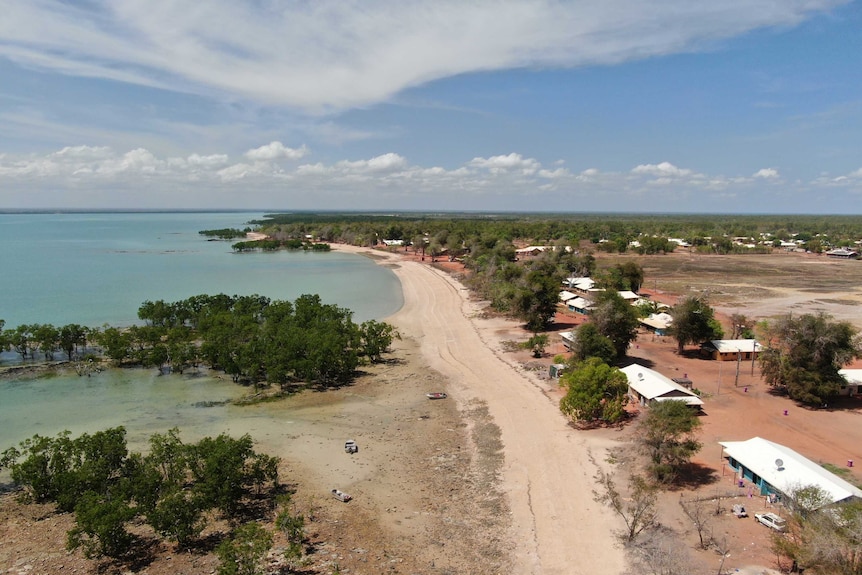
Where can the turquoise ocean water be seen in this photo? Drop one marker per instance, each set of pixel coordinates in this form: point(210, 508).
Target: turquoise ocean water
point(97, 268)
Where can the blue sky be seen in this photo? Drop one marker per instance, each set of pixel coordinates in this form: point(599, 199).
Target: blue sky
point(750, 106)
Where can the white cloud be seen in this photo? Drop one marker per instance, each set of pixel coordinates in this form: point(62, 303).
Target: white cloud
point(276, 151)
point(330, 55)
point(662, 170)
point(767, 174)
point(502, 164)
point(79, 174)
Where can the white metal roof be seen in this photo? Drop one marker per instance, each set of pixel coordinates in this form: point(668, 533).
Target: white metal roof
point(851, 375)
point(658, 320)
point(736, 345)
point(580, 303)
point(628, 295)
point(566, 295)
point(761, 456)
point(656, 387)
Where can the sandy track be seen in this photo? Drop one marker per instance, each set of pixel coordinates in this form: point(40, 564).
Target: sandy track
point(548, 473)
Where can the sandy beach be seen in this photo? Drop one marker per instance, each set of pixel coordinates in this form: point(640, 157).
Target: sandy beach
point(548, 471)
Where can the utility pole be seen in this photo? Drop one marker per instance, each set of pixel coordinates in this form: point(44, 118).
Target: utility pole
point(738, 361)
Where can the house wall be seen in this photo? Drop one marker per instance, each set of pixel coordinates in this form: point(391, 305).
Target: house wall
point(731, 356)
point(747, 474)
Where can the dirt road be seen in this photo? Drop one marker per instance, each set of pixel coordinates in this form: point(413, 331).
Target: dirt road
point(548, 472)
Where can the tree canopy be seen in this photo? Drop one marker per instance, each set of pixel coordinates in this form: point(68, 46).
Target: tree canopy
point(668, 436)
point(693, 322)
point(615, 319)
point(804, 356)
point(595, 391)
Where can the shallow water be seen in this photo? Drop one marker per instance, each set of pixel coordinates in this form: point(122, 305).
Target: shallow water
point(93, 269)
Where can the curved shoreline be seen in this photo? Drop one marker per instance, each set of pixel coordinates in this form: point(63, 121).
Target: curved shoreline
point(556, 526)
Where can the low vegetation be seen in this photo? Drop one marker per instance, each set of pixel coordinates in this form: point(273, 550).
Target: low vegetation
point(176, 489)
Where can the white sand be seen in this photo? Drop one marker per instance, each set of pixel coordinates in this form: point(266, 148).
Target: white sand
point(557, 527)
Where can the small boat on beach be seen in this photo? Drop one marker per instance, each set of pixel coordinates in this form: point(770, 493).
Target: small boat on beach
point(341, 496)
point(436, 395)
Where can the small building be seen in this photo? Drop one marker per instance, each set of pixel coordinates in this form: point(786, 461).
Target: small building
point(853, 377)
point(568, 338)
point(843, 253)
point(732, 349)
point(657, 323)
point(530, 250)
point(630, 296)
point(579, 305)
point(647, 386)
point(777, 469)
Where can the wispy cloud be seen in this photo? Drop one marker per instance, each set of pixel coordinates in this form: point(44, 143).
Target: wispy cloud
point(332, 55)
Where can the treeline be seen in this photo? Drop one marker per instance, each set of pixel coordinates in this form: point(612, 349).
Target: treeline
point(271, 245)
point(251, 338)
point(618, 230)
point(225, 233)
point(174, 490)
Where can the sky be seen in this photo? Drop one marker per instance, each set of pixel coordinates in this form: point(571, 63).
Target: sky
point(691, 106)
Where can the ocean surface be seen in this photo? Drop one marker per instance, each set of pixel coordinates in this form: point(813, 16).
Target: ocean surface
point(97, 268)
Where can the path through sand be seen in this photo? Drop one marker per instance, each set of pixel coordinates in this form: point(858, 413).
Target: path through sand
point(548, 474)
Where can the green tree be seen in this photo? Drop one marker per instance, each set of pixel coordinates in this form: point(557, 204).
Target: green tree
point(100, 526)
point(693, 322)
point(668, 436)
point(376, 338)
point(804, 356)
point(537, 296)
point(615, 319)
point(590, 343)
point(595, 391)
point(244, 552)
point(632, 275)
point(72, 337)
point(47, 337)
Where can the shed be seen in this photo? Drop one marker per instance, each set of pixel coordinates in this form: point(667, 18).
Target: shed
point(732, 349)
point(579, 305)
point(658, 323)
point(777, 469)
point(647, 386)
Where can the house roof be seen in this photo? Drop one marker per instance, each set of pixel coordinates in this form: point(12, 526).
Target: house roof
point(736, 345)
point(581, 283)
point(628, 295)
point(658, 320)
point(656, 387)
point(853, 376)
point(580, 303)
point(763, 456)
point(567, 295)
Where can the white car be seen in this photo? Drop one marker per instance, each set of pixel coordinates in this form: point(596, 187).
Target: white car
point(771, 520)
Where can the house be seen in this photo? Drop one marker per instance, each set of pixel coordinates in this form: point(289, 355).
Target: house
point(777, 469)
point(732, 349)
point(568, 338)
point(630, 296)
point(579, 305)
point(854, 382)
point(530, 250)
point(658, 323)
point(843, 253)
point(647, 386)
point(581, 285)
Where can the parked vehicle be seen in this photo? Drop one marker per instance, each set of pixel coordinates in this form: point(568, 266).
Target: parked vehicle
point(341, 496)
point(436, 395)
point(771, 520)
point(350, 446)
